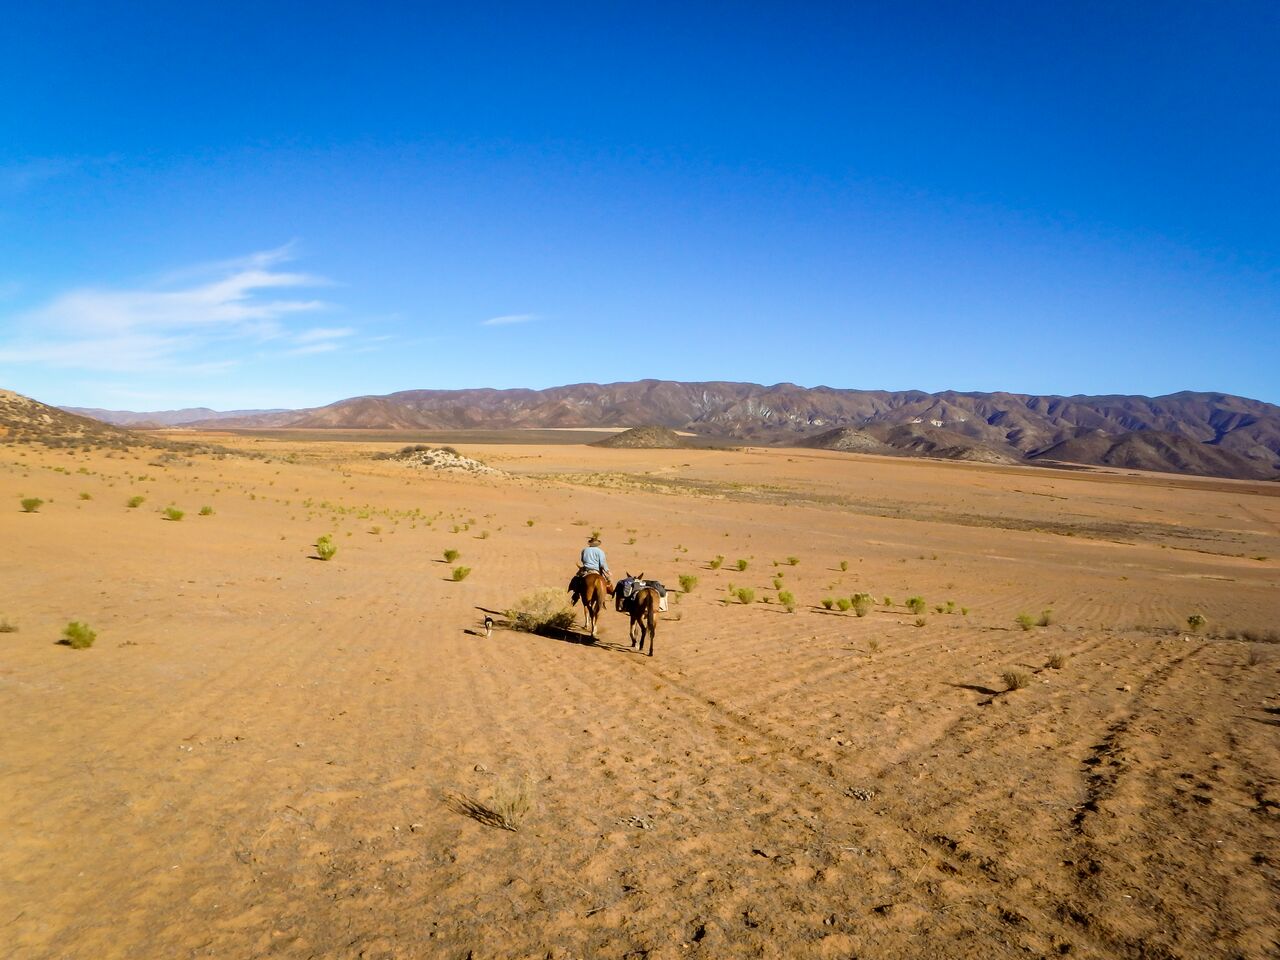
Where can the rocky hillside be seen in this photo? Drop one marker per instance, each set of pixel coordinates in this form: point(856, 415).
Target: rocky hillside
point(1013, 425)
point(1156, 450)
point(23, 420)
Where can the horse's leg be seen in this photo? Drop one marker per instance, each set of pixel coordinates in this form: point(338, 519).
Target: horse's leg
point(653, 629)
point(595, 615)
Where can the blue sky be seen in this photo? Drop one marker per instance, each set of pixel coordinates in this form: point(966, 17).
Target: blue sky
point(260, 205)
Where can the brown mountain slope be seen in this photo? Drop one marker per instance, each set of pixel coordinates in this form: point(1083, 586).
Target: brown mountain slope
point(1157, 450)
point(1011, 424)
point(23, 420)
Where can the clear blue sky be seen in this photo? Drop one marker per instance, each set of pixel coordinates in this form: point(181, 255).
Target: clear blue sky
point(271, 204)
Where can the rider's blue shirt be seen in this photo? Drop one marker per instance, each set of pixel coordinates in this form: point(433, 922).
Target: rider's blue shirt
point(593, 559)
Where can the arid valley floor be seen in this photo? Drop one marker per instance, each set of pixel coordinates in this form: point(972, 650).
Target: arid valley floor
point(266, 755)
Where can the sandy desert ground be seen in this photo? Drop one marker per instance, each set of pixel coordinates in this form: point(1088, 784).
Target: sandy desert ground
point(266, 755)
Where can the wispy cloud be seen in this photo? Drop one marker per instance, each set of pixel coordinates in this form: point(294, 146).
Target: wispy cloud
point(508, 319)
point(199, 320)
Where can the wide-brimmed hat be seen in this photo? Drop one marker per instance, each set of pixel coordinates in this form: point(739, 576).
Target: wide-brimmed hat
point(593, 541)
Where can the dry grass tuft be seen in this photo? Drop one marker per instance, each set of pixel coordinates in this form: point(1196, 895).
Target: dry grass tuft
point(506, 808)
point(1015, 679)
point(546, 608)
point(1057, 661)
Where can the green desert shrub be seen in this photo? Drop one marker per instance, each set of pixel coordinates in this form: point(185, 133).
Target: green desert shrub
point(544, 609)
point(916, 604)
point(844, 603)
point(85, 495)
point(742, 565)
point(135, 502)
point(687, 582)
point(888, 601)
point(325, 547)
point(206, 511)
point(1025, 620)
point(451, 555)
point(1195, 622)
point(717, 562)
point(1046, 618)
point(787, 599)
point(745, 595)
point(828, 602)
point(173, 513)
point(861, 604)
point(461, 573)
point(921, 621)
point(777, 583)
point(793, 560)
point(31, 504)
point(844, 565)
point(78, 636)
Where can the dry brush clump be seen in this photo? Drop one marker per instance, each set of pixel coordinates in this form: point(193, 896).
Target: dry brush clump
point(31, 504)
point(542, 610)
point(509, 803)
point(1015, 679)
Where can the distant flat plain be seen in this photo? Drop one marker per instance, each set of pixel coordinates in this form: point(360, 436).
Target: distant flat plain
point(264, 754)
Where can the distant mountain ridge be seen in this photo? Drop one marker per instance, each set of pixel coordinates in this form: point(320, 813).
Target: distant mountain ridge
point(164, 418)
point(1013, 425)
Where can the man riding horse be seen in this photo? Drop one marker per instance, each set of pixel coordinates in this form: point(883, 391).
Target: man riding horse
point(592, 560)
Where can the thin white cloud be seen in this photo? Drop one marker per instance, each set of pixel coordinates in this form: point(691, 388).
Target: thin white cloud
point(327, 346)
point(201, 320)
point(508, 319)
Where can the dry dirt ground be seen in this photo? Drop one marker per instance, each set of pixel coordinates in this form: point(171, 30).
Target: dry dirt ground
point(268, 755)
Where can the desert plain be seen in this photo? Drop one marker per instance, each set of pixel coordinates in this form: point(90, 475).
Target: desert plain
point(269, 755)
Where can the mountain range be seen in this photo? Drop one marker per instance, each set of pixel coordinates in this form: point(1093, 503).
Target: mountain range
point(1215, 434)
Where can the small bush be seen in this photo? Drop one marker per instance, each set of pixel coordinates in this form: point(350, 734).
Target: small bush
point(325, 547)
point(542, 610)
point(793, 560)
point(844, 565)
point(206, 511)
point(687, 582)
point(787, 599)
point(173, 513)
point(1015, 679)
point(1057, 661)
point(84, 495)
point(1046, 618)
point(921, 621)
point(888, 601)
point(916, 604)
point(828, 602)
point(7, 627)
point(939, 609)
point(716, 563)
point(451, 555)
point(461, 573)
point(843, 604)
point(964, 611)
point(1195, 622)
point(509, 805)
point(861, 604)
point(78, 636)
point(742, 565)
point(873, 645)
point(1025, 620)
point(31, 504)
point(745, 595)
point(777, 583)
point(135, 502)
point(528, 523)
point(951, 606)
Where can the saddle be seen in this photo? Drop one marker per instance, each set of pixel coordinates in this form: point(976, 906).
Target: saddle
point(629, 586)
point(577, 584)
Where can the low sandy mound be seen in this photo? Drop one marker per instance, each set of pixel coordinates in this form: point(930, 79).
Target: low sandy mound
point(651, 438)
point(845, 438)
point(445, 459)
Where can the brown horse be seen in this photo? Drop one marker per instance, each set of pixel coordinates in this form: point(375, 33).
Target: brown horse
point(641, 607)
point(595, 591)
